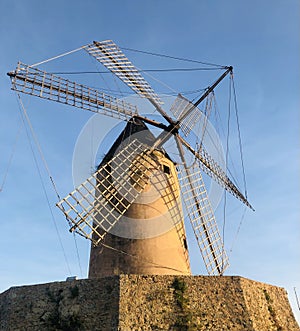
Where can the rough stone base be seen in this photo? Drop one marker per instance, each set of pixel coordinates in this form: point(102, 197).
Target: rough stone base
point(136, 302)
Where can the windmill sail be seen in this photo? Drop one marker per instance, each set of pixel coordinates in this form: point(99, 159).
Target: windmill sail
point(211, 168)
point(180, 107)
point(39, 83)
point(202, 219)
point(94, 207)
point(110, 55)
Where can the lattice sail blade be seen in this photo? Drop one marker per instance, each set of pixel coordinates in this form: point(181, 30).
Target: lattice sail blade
point(212, 169)
point(110, 55)
point(202, 219)
point(179, 108)
point(39, 83)
point(95, 206)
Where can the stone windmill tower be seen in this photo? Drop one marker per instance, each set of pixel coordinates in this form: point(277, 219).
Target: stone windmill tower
point(150, 237)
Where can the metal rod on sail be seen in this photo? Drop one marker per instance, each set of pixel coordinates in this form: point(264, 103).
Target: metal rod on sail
point(206, 93)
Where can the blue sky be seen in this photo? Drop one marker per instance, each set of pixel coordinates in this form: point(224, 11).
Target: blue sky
point(260, 39)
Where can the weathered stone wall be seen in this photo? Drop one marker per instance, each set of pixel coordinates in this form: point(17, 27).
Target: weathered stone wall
point(268, 306)
point(136, 302)
point(69, 306)
point(203, 303)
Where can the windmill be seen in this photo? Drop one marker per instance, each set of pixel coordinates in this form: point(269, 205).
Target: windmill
point(136, 164)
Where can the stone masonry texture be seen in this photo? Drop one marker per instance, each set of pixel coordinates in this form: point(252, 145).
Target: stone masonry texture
point(137, 302)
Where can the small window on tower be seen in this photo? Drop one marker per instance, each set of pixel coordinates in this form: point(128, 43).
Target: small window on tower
point(166, 169)
point(185, 243)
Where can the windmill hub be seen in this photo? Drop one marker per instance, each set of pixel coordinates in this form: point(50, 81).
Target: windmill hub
point(173, 127)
